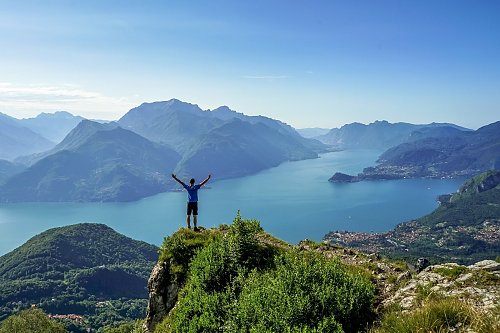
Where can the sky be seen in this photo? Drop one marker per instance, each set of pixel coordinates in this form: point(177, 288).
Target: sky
point(307, 63)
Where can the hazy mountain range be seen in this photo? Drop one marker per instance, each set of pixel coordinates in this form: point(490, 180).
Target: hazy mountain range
point(53, 126)
point(134, 156)
point(16, 140)
point(383, 135)
point(456, 153)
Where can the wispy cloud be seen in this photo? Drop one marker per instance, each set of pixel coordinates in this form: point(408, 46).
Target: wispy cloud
point(266, 77)
point(28, 100)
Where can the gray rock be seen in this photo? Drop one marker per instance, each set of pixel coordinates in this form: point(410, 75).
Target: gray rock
point(487, 265)
point(403, 276)
point(163, 293)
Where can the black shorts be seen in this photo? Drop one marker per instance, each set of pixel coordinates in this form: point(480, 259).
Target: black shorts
point(192, 207)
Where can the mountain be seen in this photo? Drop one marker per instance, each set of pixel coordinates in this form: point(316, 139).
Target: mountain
point(180, 124)
point(312, 132)
point(77, 136)
point(239, 148)
point(87, 269)
point(383, 135)
point(465, 153)
point(17, 140)
point(241, 279)
point(174, 123)
point(95, 165)
point(8, 169)
point(53, 126)
point(464, 228)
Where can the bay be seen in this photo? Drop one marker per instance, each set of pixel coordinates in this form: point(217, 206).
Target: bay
point(293, 201)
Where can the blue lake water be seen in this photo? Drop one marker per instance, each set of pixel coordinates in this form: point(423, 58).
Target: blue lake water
point(292, 201)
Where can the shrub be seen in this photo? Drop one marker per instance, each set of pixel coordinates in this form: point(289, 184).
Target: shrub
point(304, 293)
point(179, 249)
point(237, 284)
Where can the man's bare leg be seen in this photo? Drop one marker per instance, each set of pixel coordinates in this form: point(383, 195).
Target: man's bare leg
point(195, 220)
point(188, 220)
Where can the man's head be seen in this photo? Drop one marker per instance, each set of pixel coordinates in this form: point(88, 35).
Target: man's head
point(191, 181)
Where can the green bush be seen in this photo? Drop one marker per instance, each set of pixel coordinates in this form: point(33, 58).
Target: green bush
point(304, 292)
point(179, 248)
point(31, 321)
point(237, 284)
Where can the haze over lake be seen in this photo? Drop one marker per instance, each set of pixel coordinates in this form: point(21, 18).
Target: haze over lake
point(292, 201)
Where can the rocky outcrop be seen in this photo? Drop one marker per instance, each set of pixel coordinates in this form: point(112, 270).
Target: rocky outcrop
point(163, 291)
point(476, 285)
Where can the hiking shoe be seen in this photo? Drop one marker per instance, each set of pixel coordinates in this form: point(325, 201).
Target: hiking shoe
point(196, 229)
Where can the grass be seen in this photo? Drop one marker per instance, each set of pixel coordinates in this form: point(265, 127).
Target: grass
point(450, 272)
point(439, 316)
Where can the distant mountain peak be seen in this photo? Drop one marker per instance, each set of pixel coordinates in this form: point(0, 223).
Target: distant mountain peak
point(57, 114)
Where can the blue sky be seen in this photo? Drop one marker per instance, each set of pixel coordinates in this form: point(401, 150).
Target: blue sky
point(308, 63)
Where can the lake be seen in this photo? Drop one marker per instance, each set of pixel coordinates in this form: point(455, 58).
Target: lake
point(293, 201)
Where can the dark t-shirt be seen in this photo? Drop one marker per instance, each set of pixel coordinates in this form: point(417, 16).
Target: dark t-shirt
point(192, 192)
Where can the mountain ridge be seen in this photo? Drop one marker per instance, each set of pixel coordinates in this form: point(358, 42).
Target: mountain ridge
point(379, 134)
point(99, 165)
point(463, 154)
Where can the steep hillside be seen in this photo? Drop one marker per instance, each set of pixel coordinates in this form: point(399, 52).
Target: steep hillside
point(240, 148)
point(53, 126)
point(86, 269)
point(97, 165)
point(8, 169)
point(242, 279)
point(17, 140)
point(467, 153)
point(465, 228)
point(383, 135)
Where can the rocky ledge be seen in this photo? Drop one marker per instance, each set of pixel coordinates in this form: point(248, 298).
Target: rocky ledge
point(477, 285)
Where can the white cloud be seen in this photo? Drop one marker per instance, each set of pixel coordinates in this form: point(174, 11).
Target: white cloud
point(29, 100)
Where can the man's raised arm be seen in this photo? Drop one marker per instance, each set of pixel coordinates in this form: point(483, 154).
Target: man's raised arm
point(206, 180)
point(178, 180)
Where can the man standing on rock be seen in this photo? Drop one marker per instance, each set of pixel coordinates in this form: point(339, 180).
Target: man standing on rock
point(192, 205)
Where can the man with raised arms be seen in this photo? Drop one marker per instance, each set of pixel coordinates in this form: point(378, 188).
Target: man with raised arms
point(192, 204)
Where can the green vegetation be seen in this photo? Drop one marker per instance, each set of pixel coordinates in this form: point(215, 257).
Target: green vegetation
point(85, 269)
point(130, 327)
point(450, 272)
point(31, 321)
point(445, 315)
point(237, 282)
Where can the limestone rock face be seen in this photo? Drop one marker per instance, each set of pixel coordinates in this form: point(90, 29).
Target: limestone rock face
point(477, 285)
point(163, 291)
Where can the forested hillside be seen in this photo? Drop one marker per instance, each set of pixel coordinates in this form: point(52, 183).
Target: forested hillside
point(88, 270)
